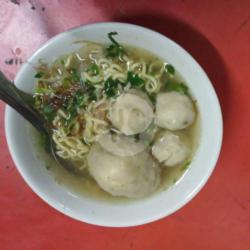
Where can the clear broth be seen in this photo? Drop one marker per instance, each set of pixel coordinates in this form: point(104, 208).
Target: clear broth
point(86, 186)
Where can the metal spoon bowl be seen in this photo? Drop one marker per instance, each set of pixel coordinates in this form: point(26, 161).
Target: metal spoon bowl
point(23, 104)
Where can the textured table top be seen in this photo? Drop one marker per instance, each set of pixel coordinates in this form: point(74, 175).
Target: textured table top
point(217, 34)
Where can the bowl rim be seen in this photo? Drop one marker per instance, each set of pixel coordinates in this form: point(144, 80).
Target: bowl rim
point(154, 217)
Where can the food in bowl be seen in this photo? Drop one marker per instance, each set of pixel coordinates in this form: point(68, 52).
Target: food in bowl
point(121, 115)
point(79, 196)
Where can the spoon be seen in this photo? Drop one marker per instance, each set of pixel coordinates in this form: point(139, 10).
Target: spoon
point(23, 104)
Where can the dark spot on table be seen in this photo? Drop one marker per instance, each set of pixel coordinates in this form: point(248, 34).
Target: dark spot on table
point(242, 24)
point(43, 8)
point(15, 2)
point(33, 7)
point(239, 203)
point(9, 61)
point(16, 61)
point(7, 166)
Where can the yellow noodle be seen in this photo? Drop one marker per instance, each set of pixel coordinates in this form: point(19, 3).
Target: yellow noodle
point(93, 79)
point(74, 141)
point(139, 67)
point(152, 65)
point(152, 85)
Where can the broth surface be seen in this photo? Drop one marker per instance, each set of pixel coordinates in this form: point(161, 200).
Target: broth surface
point(84, 184)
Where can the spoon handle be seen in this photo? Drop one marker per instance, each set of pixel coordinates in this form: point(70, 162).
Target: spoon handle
point(21, 102)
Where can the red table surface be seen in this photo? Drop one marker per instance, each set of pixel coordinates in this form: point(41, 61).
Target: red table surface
point(217, 34)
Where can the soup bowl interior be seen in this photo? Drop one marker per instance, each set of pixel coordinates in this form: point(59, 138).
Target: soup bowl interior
point(100, 212)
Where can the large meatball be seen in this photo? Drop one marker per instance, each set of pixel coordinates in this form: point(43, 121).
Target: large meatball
point(170, 150)
point(131, 114)
point(131, 176)
point(174, 111)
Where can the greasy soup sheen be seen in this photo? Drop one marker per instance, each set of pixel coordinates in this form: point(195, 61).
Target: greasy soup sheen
point(123, 117)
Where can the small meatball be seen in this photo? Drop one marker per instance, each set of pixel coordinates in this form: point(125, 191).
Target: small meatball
point(121, 145)
point(170, 150)
point(174, 111)
point(131, 114)
point(132, 177)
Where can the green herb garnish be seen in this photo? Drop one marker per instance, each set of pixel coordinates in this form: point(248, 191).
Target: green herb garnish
point(111, 87)
point(72, 113)
point(66, 82)
point(71, 106)
point(48, 112)
point(92, 96)
point(135, 80)
point(44, 141)
point(39, 75)
point(185, 166)
point(94, 69)
point(44, 90)
point(90, 90)
point(79, 99)
point(178, 87)
point(68, 122)
point(115, 49)
point(75, 76)
point(137, 137)
point(170, 69)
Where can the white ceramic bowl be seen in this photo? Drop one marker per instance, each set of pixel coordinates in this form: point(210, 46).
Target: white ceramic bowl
point(133, 213)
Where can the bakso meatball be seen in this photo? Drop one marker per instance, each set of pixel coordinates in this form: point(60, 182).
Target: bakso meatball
point(131, 114)
point(132, 176)
point(174, 111)
point(170, 150)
